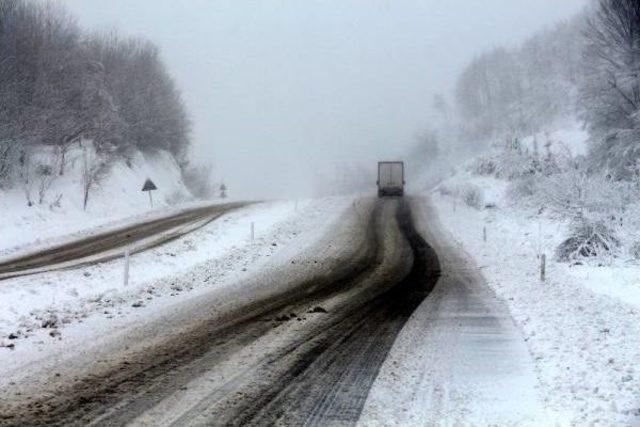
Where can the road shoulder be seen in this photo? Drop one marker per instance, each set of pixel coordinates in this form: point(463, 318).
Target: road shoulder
point(585, 344)
point(459, 359)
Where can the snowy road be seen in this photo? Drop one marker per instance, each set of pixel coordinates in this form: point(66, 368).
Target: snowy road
point(110, 244)
point(349, 323)
point(460, 360)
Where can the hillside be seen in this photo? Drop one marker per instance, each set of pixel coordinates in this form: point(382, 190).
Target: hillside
point(114, 196)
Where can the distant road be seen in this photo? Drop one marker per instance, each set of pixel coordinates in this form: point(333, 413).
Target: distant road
point(108, 245)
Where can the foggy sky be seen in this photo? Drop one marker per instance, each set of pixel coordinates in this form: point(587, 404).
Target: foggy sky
point(283, 91)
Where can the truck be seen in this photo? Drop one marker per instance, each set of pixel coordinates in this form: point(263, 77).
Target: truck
point(390, 179)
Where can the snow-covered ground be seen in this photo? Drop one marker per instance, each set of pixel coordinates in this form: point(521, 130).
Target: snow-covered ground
point(35, 309)
point(581, 325)
point(567, 138)
point(116, 199)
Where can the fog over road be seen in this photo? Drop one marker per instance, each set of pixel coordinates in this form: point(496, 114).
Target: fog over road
point(304, 348)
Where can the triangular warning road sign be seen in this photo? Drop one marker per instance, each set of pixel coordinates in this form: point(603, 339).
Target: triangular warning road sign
point(149, 185)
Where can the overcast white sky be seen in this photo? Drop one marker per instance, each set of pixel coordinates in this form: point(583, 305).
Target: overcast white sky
point(282, 91)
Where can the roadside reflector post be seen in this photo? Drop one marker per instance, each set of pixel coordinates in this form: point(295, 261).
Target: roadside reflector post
point(126, 266)
point(484, 234)
point(253, 231)
point(543, 267)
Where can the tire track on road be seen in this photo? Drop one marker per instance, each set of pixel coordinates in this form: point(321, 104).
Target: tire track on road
point(334, 385)
point(253, 370)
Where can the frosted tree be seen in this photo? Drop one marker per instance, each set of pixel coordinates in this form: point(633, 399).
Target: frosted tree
point(610, 92)
point(521, 91)
point(91, 169)
point(59, 87)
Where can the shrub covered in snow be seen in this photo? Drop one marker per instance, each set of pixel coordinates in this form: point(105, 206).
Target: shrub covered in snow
point(198, 180)
point(575, 192)
point(485, 165)
point(588, 239)
point(446, 190)
point(618, 153)
point(522, 189)
point(634, 251)
point(472, 196)
point(509, 162)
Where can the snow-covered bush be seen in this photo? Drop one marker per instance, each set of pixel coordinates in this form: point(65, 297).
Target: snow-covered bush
point(634, 251)
point(513, 166)
point(575, 192)
point(588, 239)
point(472, 196)
point(485, 165)
point(618, 153)
point(446, 190)
point(523, 188)
point(198, 181)
point(509, 160)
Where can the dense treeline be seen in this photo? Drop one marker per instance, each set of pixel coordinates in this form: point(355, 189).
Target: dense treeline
point(59, 86)
point(609, 100)
point(588, 67)
point(521, 90)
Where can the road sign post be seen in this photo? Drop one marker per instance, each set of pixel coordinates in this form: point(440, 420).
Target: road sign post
point(149, 186)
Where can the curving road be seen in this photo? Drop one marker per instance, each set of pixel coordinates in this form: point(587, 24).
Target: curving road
point(110, 244)
point(307, 356)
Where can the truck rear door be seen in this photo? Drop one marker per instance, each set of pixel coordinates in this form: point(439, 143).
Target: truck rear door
point(391, 175)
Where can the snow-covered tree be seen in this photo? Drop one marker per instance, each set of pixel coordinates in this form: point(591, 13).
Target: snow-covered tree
point(59, 86)
point(522, 90)
point(610, 91)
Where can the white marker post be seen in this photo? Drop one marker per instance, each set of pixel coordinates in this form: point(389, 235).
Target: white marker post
point(253, 231)
point(543, 267)
point(126, 266)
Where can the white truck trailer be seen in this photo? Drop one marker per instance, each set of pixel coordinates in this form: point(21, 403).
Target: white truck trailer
point(390, 179)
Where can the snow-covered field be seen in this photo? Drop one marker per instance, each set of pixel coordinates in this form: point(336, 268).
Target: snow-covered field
point(581, 325)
